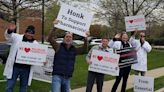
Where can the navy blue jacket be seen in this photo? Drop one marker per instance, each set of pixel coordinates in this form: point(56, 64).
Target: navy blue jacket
point(64, 61)
point(64, 58)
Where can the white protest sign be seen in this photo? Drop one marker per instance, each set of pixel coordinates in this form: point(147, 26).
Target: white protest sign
point(74, 20)
point(143, 84)
point(44, 73)
point(104, 62)
point(31, 53)
point(135, 23)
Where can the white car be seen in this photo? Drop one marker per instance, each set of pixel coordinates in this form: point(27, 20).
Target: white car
point(78, 42)
point(59, 40)
point(95, 42)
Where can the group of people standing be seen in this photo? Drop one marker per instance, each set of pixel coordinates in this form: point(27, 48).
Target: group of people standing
point(64, 59)
point(121, 41)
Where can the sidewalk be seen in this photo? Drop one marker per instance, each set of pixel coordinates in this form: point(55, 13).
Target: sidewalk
point(160, 90)
point(158, 47)
point(108, 84)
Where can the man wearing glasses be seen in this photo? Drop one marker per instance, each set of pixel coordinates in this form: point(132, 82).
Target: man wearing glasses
point(142, 47)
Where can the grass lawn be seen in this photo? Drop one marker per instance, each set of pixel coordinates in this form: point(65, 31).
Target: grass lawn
point(155, 60)
point(36, 86)
point(158, 83)
point(1, 72)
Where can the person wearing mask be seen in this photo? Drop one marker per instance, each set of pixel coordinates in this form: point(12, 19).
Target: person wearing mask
point(142, 47)
point(92, 76)
point(64, 60)
point(124, 72)
point(12, 69)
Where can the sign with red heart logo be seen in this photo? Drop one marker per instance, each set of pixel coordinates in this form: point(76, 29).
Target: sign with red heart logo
point(99, 58)
point(31, 53)
point(135, 23)
point(131, 21)
point(27, 50)
point(104, 62)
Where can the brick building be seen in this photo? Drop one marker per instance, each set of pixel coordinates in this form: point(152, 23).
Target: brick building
point(27, 17)
point(3, 26)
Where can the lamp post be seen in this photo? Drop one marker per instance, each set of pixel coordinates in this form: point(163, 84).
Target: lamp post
point(42, 21)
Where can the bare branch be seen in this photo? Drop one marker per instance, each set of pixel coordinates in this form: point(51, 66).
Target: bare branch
point(139, 8)
point(157, 4)
point(5, 4)
point(126, 7)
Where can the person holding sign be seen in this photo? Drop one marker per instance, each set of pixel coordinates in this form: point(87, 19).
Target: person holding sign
point(116, 38)
point(92, 76)
point(142, 47)
point(64, 60)
point(124, 72)
point(12, 69)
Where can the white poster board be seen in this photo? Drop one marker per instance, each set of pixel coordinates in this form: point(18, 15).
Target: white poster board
point(31, 53)
point(44, 73)
point(74, 20)
point(135, 23)
point(104, 62)
point(143, 84)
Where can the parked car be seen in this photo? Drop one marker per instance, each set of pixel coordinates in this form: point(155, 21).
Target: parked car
point(4, 51)
point(78, 42)
point(95, 42)
point(75, 42)
point(59, 40)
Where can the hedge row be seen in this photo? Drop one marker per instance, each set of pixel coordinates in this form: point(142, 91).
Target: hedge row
point(156, 41)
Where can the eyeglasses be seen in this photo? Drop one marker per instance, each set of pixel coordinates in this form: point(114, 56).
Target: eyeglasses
point(142, 36)
point(29, 34)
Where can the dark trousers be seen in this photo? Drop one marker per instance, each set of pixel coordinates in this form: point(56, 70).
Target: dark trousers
point(124, 73)
point(139, 72)
point(92, 76)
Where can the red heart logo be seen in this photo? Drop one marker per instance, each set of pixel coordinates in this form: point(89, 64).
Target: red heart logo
point(99, 58)
point(27, 50)
point(131, 21)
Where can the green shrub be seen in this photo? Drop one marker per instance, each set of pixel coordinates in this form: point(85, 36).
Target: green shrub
point(156, 41)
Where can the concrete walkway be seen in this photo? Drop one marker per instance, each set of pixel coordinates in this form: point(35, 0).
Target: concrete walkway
point(108, 84)
point(160, 90)
point(158, 47)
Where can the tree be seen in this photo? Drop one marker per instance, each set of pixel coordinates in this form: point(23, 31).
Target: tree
point(14, 7)
point(107, 31)
point(114, 11)
point(95, 30)
point(50, 15)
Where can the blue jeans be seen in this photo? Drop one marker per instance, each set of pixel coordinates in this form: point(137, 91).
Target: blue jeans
point(23, 75)
point(60, 84)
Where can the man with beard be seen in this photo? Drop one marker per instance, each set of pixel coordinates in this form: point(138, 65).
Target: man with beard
point(64, 60)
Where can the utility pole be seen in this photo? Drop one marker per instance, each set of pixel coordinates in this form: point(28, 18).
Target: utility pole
point(42, 21)
point(14, 15)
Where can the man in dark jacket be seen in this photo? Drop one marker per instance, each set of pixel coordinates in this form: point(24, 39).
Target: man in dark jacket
point(64, 60)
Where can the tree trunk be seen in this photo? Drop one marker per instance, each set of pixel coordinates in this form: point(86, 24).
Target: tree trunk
point(14, 16)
